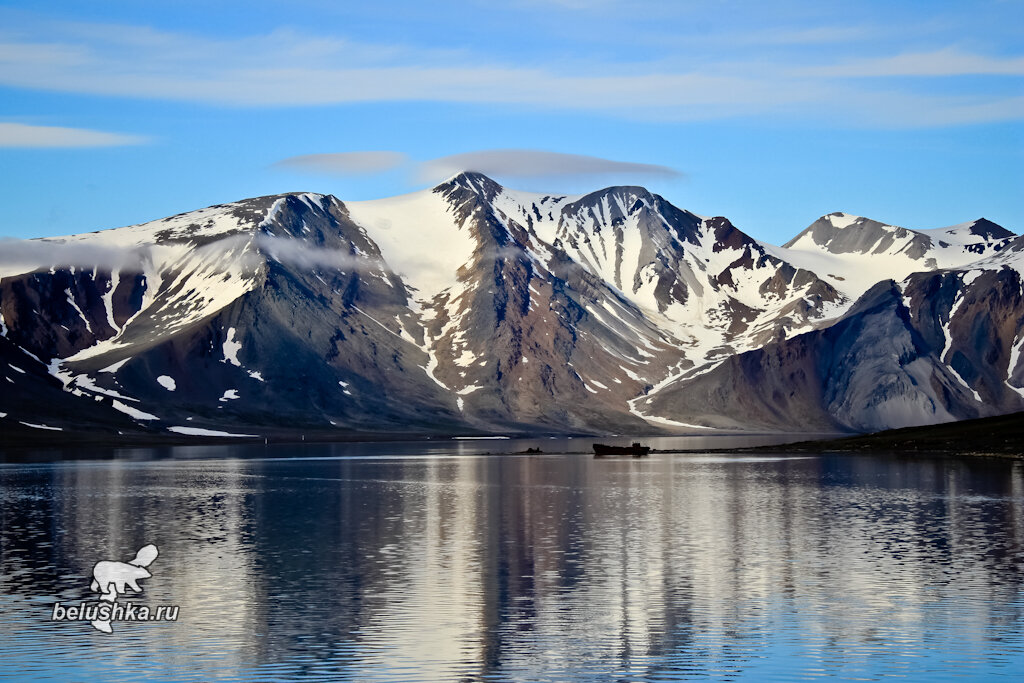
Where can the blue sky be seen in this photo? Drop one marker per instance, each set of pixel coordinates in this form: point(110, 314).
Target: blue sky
point(768, 113)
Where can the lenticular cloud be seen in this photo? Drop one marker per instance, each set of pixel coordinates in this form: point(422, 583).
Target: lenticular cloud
point(345, 163)
point(499, 163)
point(532, 163)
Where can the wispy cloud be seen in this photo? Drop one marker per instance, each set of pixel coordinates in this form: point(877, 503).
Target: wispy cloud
point(24, 135)
point(532, 163)
point(938, 63)
point(27, 256)
point(301, 254)
point(815, 35)
point(569, 4)
point(286, 68)
point(344, 163)
point(19, 256)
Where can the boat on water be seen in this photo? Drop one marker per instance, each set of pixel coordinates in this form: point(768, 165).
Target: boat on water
point(636, 450)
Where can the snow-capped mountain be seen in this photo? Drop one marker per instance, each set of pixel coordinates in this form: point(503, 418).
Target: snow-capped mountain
point(472, 308)
point(935, 346)
point(850, 251)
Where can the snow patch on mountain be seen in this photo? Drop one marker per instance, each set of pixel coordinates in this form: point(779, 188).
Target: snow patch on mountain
point(1015, 355)
point(419, 238)
point(852, 252)
point(114, 367)
point(199, 431)
point(230, 348)
point(34, 425)
point(133, 413)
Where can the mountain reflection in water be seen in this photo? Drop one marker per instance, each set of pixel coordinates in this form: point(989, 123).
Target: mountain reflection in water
point(546, 567)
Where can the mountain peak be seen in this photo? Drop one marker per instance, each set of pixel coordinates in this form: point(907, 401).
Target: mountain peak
point(626, 193)
point(472, 181)
point(983, 227)
point(619, 198)
point(979, 231)
point(840, 220)
point(843, 232)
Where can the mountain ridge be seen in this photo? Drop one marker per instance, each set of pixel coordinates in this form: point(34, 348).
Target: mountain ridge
point(472, 308)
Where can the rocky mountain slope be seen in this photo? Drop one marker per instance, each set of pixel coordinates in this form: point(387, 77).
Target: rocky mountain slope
point(470, 308)
point(936, 346)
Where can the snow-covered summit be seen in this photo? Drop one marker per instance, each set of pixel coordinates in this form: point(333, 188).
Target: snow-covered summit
point(979, 231)
point(853, 252)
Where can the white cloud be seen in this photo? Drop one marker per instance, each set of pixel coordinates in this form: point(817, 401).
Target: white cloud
point(19, 256)
point(288, 68)
point(815, 35)
point(531, 163)
point(301, 254)
point(500, 163)
point(24, 135)
point(588, 5)
point(26, 256)
point(947, 62)
point(345, 163)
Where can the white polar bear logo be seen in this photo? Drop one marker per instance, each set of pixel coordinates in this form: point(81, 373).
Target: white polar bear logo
point(111, 578)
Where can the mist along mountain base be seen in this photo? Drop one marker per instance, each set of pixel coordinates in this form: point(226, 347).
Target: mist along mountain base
point(470, 308)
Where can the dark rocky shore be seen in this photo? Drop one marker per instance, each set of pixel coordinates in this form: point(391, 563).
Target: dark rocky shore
point(1002, 435)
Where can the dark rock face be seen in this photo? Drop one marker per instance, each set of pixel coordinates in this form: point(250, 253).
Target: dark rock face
point(57, 314)
point(987, 230)
point(610, 312)
point(515, 342)
point(937, 350)
point(838, 233)
point(33, 403)
point(867, 236)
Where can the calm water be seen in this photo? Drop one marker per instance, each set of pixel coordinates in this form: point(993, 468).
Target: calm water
point(400, 562)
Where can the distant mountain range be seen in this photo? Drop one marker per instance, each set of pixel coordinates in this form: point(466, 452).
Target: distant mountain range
point(471, 309)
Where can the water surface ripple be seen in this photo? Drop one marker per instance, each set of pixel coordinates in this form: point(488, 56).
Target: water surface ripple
point(394, 566)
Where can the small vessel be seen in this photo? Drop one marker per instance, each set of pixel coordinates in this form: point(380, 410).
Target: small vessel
point(636, 450)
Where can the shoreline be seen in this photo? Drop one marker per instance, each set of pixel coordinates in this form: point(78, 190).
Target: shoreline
point(33, 440)
point(999, 436)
